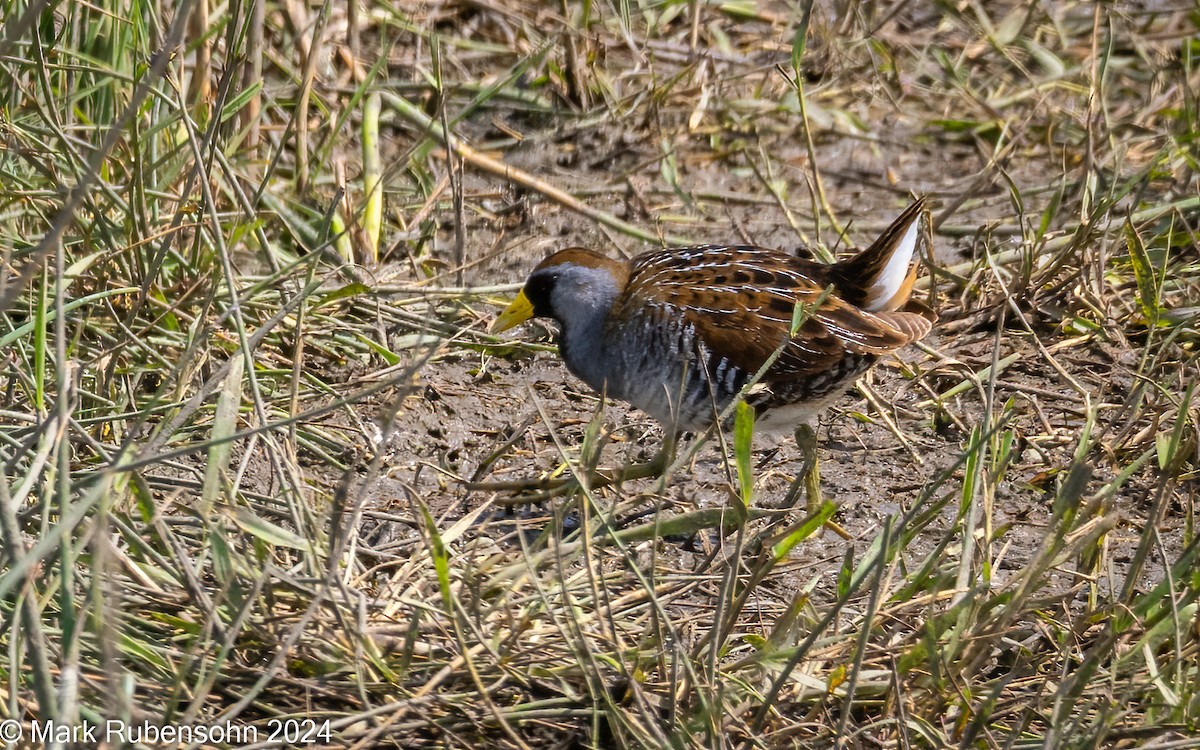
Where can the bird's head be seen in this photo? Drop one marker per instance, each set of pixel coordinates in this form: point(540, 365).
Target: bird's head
point(574, 287)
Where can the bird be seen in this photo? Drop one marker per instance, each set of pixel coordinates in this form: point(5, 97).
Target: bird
point(681, 333)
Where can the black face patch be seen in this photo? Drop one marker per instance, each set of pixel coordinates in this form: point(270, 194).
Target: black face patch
point(538, 290)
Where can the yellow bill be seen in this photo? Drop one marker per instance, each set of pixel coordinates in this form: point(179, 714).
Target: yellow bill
point(517, 312)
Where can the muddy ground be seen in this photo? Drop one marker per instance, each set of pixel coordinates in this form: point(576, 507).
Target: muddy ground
point(469, 402)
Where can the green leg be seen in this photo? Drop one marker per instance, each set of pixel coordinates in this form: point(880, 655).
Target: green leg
point(806, 440)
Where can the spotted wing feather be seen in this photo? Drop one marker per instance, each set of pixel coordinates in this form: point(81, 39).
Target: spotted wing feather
point(741, 301)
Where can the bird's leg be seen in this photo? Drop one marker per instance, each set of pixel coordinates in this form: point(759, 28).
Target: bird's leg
point(806, 440)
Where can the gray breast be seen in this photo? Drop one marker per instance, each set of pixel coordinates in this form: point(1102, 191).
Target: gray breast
point(660, 365)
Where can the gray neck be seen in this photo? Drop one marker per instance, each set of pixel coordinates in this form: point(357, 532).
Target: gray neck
point(581, 301)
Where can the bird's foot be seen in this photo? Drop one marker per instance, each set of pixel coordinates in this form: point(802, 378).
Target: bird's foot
point(558, 484)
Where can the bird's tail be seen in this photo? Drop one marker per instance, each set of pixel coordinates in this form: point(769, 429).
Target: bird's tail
point(880, 278)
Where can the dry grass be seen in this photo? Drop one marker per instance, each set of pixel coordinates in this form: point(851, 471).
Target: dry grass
point(250, 251)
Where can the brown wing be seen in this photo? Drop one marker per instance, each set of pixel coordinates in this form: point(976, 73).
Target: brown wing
point(741, 301)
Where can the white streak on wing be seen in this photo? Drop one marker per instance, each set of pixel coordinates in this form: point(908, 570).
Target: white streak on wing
point(892, 278)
